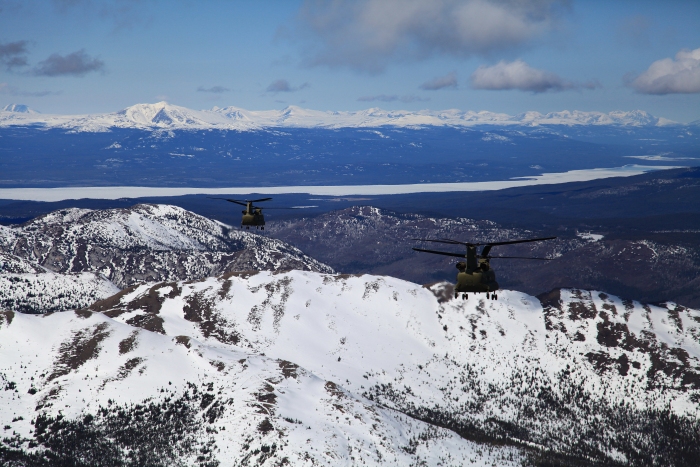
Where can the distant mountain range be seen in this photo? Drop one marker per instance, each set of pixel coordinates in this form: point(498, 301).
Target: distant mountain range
point(162, 115)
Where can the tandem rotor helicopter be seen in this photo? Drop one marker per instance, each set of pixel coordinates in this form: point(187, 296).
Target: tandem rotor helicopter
point(475, 275)
point(252, 216)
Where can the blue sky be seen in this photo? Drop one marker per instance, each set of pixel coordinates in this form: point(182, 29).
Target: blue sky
point(511, 56)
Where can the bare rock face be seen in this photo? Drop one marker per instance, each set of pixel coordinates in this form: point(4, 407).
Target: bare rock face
point(146, 243)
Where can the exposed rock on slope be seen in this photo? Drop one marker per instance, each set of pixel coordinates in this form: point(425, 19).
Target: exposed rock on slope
point(11, 264)
point(146, 243)
point(344, 370)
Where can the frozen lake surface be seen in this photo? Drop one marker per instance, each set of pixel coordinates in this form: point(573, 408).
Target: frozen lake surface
point(117, 192)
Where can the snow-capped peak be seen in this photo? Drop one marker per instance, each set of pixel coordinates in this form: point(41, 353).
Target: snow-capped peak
point(163, 115)
point(20, 108)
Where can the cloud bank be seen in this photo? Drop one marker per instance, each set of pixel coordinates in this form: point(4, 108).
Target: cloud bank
point(519, 75)
point(282, 85)
point(368, 34)
point(393, 98)
point(6, 88)
point(679, 75)
point(76, 64)
point(441, 82)
point(213, 89)
point(13, 54)
point(124, 14)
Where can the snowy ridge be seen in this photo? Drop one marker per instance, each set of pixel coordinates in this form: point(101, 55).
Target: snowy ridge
point(346, 370)
point(28, 287)
point(146, 243)
point(245, 408)
point(162, 115)
point(49, 292)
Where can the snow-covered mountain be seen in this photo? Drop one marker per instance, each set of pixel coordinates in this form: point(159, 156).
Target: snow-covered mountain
point(19, 108)
point(48, 292)
point(302, 368)
point(145, 243)
point(11, 264)
point(28, 287)
point(162, 115)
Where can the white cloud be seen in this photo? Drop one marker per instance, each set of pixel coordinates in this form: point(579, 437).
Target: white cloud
point(441, 82)
point(518, 75)
point(368, 34)
point(669, 76)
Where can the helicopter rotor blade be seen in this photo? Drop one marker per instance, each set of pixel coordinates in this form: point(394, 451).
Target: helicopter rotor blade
point(457, 242)
point(446, 240)
point(519, 257)
point(520, 241)
point(259, 200)
point(230, 200)
point(435, 252)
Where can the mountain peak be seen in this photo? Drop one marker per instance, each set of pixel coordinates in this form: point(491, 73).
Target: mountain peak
point(20, 108)
point(164, 115)
point(145, 241)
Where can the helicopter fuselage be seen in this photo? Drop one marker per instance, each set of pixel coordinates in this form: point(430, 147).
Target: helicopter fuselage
point(476, 281)
point(476, 278)
point(255, 219)
point(475, 274)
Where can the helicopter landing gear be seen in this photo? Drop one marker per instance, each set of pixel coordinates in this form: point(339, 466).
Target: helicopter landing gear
point(456, 295)
point(465, 296)
point(488, 296)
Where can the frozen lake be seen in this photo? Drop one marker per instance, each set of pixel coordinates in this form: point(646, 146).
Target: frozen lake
point(117, 192)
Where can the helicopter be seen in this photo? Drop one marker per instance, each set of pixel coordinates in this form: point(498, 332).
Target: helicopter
point(475, 275)
point(252, 216)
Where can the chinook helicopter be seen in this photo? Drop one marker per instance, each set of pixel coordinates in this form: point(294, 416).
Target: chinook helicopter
point(475, 275)
point(252, 216)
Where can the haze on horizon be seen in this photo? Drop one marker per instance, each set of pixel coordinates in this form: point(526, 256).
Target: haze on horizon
point(509, 56)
